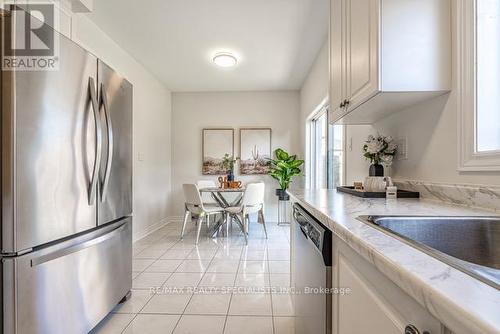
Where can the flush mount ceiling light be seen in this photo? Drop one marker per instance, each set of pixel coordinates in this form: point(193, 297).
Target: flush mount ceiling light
point(225, 59)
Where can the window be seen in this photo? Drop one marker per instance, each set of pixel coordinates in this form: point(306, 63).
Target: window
point(336, 156)
point(326, 152)
point(319, 149)
point(479, 84)
point(488, 75)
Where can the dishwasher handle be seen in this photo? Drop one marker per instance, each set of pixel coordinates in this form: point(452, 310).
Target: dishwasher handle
point(304, 231)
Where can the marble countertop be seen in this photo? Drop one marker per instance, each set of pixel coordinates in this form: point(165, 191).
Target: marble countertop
point(461, 302)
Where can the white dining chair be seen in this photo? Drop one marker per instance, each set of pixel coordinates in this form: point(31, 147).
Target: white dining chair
point(194, 206)
point(207, 198)
point(252, 202)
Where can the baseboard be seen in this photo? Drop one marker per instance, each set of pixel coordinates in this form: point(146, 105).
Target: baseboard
point(151, 229)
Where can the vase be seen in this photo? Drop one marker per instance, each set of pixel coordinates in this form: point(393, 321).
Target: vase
point(376, 170)
point(282, 195)
point(230, 176)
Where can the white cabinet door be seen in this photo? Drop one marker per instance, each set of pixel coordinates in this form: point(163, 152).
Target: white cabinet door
point(363, 311)
point(362, 31)
point(375, 304)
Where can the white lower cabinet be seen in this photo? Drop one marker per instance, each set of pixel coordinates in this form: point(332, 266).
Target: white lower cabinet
point(373, 304)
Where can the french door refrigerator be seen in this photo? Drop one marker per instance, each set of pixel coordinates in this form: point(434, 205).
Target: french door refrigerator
point(66, 191)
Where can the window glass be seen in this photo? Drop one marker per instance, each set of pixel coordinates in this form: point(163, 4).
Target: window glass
point(336, 171)
point(320, 150)
point(326, 146)
point(488, 76)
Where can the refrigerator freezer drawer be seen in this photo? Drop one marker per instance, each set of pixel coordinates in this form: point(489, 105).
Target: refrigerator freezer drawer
point(68, 287)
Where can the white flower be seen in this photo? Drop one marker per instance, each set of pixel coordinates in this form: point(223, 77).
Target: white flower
point(387, 160)
point(391, 147)
point(374, 146)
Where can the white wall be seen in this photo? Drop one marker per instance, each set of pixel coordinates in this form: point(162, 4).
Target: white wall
point(151, 130)
point(194, 111)
point(356, 165)
point(314, 91)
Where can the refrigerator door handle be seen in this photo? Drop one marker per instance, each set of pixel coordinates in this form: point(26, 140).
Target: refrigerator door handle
point(98, 143)
point(76, 248)
point(109, 128)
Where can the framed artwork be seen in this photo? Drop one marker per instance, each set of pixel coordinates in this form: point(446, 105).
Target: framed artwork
point(215, 144)
point(255, 150)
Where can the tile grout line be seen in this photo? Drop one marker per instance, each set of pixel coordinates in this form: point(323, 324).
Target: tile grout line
point(189, 301)
point(220, 247)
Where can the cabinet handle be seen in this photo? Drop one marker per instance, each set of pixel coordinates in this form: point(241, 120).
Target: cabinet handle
point(342, 104)
point(410, 329)
point(347, 102)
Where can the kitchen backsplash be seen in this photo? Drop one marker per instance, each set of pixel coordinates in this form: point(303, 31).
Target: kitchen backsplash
point(476, 196)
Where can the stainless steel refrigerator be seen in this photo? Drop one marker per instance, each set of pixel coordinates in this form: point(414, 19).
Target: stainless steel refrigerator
point(66, 191)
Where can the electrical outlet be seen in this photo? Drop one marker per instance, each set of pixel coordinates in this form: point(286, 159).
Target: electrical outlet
point(140, 156)
point(402, 152)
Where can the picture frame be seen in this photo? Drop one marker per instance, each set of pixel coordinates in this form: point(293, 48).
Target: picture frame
point(255, 150)
point(216, 142)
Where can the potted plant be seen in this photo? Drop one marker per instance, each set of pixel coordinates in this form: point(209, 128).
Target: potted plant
point(380, 150)
point(228, 162)
point(283, 168)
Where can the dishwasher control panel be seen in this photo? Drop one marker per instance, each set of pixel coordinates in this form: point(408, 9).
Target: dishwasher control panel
point(317, 233)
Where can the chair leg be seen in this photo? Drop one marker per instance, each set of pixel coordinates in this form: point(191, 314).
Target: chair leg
point(227, 221)
point(263, 221)
point(186, 216)
point(245, 230)
point(248, 223)
point(200, 222)
point(244, 227)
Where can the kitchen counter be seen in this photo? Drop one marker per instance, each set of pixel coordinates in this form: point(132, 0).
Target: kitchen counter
point(461, 302)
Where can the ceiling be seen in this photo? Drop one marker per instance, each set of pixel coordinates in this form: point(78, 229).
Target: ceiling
point(276, 41)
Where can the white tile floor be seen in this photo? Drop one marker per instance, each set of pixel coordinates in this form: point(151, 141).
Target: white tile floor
point(219, 286)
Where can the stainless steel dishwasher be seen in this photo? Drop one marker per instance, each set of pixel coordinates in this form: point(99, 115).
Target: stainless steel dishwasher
point(312, 256)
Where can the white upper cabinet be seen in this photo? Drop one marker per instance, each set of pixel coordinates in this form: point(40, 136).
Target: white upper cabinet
point(386, 55)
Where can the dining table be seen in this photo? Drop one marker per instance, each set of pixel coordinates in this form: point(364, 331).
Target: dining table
point(220, 196)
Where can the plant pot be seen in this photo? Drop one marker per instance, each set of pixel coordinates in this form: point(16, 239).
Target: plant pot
point(230, 176)
point(282, 195)
point(376, 170)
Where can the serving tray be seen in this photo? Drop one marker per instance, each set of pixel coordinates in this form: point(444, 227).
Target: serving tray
point(367, 194)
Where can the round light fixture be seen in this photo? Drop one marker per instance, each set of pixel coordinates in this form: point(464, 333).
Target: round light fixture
point(225, 59)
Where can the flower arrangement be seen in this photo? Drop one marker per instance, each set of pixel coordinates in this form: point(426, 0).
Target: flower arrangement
point(380, 150)
point(228, 163)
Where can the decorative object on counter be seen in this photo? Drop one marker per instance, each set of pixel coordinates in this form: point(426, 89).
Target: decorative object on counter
point(228, 162)
point(283, 168)
point(358, 186)
point(255, 151)
point(215, 143)
point(380, 150)
point(391, 192)
point(377, 183)
point(379, 194)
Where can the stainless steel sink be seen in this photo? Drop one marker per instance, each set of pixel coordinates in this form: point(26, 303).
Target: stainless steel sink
point(470, 244)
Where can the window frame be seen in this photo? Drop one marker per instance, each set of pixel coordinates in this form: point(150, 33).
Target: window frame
point(322, 111)
point(469, 159)
point(311, 171)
